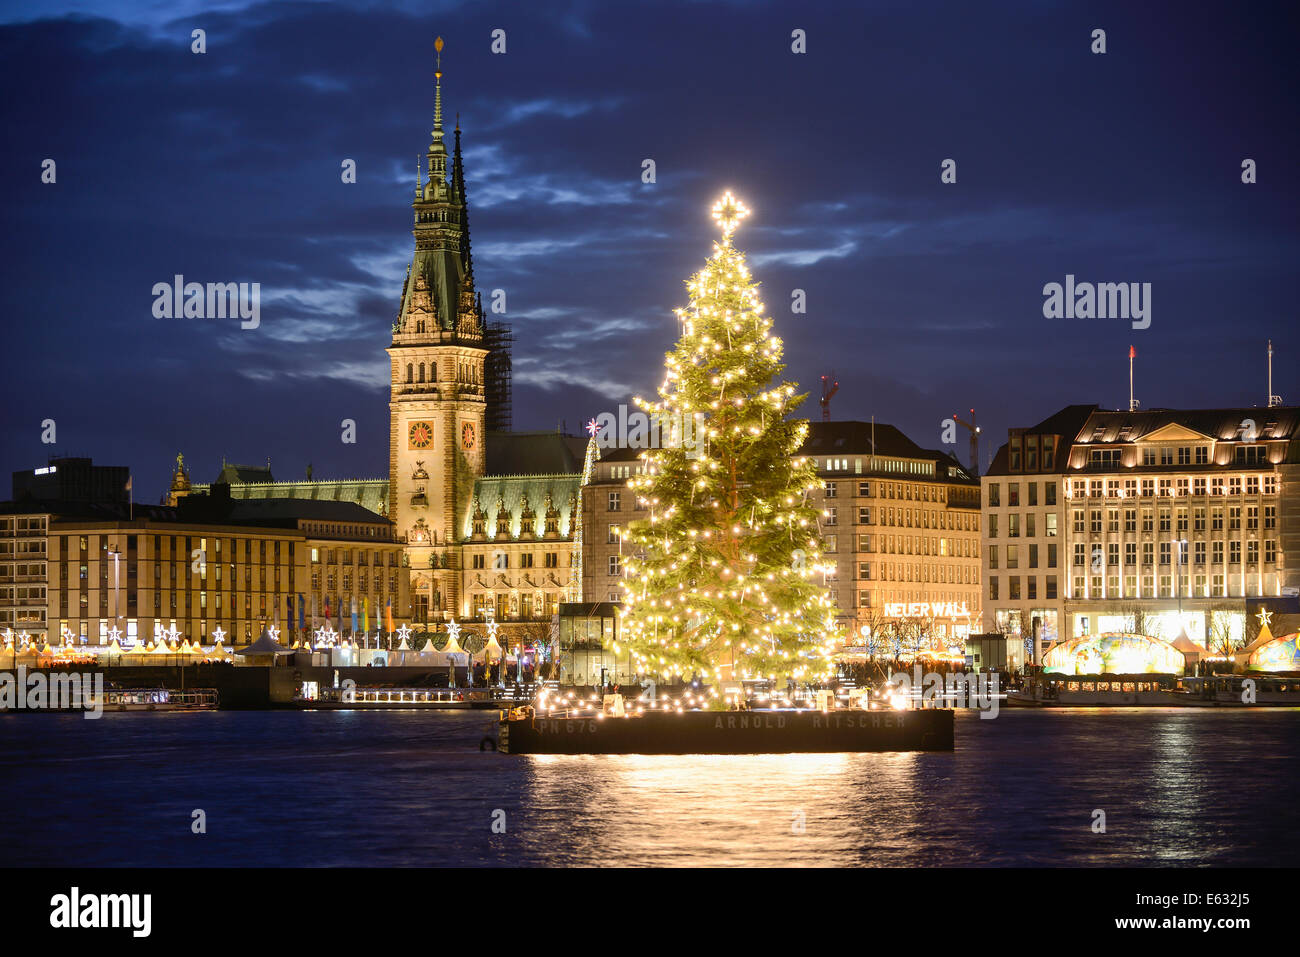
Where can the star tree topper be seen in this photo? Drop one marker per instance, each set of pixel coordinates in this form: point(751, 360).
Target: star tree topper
point(728, 212)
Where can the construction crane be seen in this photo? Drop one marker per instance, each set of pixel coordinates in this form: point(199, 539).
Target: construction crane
point(974, 441)
point(830, 385)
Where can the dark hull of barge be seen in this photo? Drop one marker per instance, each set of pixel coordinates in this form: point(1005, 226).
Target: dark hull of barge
point(731, 732)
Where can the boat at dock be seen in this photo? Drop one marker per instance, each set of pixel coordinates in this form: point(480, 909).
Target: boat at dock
point(155, 699)
point(398, 699)
point(1154, 691)
point(1231, 691)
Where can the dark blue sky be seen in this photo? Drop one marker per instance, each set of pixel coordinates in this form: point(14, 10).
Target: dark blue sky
point(925, 298)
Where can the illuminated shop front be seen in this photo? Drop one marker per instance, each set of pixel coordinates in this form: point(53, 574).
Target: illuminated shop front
point(1116, 653)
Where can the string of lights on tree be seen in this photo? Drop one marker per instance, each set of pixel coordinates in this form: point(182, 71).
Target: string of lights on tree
point(726, 578)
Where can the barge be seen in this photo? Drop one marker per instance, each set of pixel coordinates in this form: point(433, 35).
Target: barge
point(1156, 691)
point(312, 697)
point(777, 731)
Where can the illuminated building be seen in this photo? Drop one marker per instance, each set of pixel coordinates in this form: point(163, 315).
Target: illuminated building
point(902, 526)
point(487, 518)
point(208, 563)
point(1152, 522)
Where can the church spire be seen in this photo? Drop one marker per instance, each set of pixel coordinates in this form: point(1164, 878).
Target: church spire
point(437, 151)
point(458, 188)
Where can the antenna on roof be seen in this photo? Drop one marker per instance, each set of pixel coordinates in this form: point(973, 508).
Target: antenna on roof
point(1273, 400)
point(1133, 404)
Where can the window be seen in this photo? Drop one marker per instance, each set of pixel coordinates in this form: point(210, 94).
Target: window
point(615, 501)
point(864, 488)
point(864, 515)
point(551, 560)
point(614, 534)
point(831, 489)
point(615, 566)
point(1013, 494)
point(995, 496)
point(830, 516)
point(1049, 493)
point(526, 560)
point(1051, 525)
point(1248, 455)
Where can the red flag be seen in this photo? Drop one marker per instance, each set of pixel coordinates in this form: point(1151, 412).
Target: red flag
point(1132, 353)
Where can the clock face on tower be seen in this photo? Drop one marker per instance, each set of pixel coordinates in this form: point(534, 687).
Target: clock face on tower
point(420, 435)
point(467, 436)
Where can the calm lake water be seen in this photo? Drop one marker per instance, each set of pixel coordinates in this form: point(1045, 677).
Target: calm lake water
point(1179, 787)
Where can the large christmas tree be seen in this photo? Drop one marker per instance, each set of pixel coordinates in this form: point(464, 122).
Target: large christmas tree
point(725, 577)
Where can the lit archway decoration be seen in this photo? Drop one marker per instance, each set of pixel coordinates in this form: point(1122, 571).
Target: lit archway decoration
point(1114, 653)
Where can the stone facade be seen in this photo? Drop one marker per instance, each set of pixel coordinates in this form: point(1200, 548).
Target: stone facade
point(1161, 521)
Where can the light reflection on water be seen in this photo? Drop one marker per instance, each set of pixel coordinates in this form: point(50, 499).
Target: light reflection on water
point(326, 788)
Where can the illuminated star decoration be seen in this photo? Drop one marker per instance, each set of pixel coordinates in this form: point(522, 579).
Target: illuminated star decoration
point(218, 634)
point(1264, 616)
point(453, 632)
point(274, 633)
point(173, 634)
point(114, 633)
point(321, 633)
point(404, 632)
point(592, 428)
point(728, 212)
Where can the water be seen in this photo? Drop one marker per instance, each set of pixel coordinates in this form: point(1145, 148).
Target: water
point(1179, 787)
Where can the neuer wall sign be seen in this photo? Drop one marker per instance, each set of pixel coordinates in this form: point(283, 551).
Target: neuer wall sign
point(926, 609)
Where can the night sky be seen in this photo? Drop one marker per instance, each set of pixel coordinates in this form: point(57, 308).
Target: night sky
point(924, 297)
